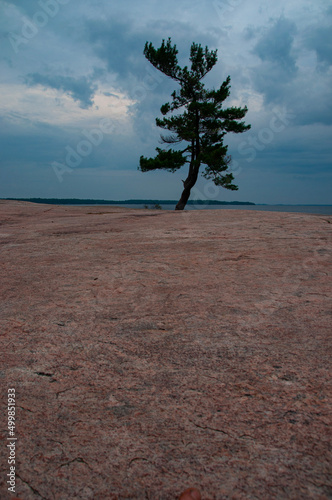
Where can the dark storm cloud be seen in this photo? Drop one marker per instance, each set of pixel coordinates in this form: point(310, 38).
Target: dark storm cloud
point(278, 67)
point(275, 46)
point(282, 80)
point(319, 39)
point(28, 140)
point(81, 89)
point(116, 45)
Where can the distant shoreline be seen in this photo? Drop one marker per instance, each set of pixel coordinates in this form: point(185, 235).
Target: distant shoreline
point(88, 201)
point(79, 201)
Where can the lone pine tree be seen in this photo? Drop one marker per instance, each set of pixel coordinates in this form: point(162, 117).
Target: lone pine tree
point(203, 123)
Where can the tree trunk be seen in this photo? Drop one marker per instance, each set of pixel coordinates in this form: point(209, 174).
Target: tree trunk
point(184, 198)
point(189, 183)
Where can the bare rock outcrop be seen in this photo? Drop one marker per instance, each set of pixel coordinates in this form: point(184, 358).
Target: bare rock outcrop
point(151, 351)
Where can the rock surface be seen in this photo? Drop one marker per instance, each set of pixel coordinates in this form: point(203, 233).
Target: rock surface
point(152, 351)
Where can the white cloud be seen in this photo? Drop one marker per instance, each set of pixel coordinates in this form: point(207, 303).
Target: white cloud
point(54, 107)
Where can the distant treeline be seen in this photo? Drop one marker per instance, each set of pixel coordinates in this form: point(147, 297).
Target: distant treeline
point(76, 201)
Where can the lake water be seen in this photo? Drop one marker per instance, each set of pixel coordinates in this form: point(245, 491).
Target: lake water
point(307, 209)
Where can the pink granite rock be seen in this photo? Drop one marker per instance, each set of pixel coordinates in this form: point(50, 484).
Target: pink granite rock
point(152, 351)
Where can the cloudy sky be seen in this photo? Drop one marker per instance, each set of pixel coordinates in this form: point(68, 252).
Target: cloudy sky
point(79, 100)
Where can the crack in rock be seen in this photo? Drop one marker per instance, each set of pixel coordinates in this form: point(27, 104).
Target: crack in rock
point(77, 459)
point(36, 492)
point(211, 429)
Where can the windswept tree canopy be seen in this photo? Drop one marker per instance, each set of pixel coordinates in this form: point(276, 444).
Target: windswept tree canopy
point(203, 123)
